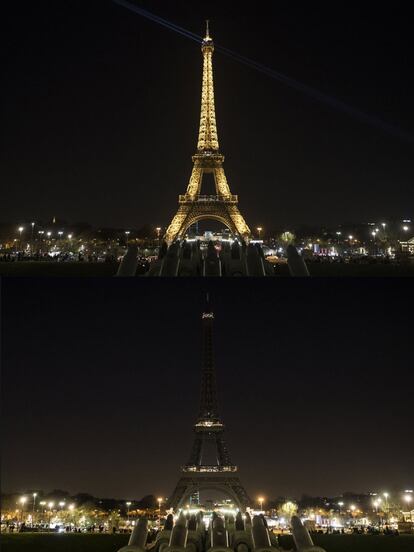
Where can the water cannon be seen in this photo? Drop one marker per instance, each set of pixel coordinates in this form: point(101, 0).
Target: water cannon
point(296, 263)
point(170, 263)
point(179, 534)
point(301, 537)
point(241, 539)
point(212, 262)
point(129, 262)
point(219, 537)
point(163, 537)
point(229, 523)
point(262, 540)
point(255, 265)
point(138, 538)
point(195, 534)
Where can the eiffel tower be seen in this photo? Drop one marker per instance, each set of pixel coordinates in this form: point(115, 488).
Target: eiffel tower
point(193, 206)
point(209, 429)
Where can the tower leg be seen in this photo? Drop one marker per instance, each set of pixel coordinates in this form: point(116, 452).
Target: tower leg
point(178, 222)
point(239, 222)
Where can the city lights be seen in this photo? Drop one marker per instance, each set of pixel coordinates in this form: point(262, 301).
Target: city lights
point(373, 510)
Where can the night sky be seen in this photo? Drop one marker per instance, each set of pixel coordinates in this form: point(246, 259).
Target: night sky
point(100, 111)
point(101, 379)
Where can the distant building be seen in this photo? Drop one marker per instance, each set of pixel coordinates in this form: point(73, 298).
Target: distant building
point(408, 246)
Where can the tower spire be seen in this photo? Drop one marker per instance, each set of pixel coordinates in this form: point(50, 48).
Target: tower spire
point(207, 136)
point(208, 401)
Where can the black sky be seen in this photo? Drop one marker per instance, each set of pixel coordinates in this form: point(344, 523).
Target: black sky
point(100, 110)
point(100, 383)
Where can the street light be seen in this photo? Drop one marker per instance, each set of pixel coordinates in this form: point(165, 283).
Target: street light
point(374, 234)
point(128, 503)
point(71, 507)
point(43, 503)
point(127, 233)
point(159, 500)
point(22, 501)
point(50, 505)
point(31, 240)
point(21, 228)
point(259, 229)
point(34, 500)
point(261, 500)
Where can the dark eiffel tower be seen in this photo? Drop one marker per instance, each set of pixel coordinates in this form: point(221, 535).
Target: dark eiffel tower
point(209, 433)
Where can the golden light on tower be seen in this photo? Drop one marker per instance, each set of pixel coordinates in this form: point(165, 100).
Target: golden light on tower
point(193, 206)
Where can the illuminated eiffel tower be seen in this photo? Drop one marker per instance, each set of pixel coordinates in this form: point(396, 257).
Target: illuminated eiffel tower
point(199, 475)
point(193, 206)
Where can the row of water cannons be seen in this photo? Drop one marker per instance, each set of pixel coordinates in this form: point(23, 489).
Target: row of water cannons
point(187, 259)
point(224, 534)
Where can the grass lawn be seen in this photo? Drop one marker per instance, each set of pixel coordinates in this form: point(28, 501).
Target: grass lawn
point(342, 270)
point(44, 268)
point(40, 542)
point(32, 542)
point(358, 543)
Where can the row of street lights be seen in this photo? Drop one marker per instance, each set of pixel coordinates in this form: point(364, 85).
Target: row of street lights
point(50, 505)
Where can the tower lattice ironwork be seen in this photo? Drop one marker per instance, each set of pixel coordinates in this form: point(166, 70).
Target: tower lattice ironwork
point(198, 475)
point(193, 206)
